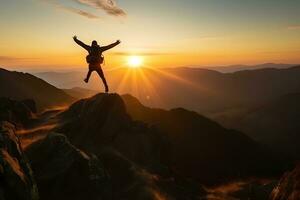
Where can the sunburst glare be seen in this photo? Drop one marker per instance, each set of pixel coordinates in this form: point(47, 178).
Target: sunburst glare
point(134, 61)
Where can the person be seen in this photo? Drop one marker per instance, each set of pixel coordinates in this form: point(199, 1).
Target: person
point(95, 58)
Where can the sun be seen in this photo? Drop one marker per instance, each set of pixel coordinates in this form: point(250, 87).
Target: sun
point(134, 61)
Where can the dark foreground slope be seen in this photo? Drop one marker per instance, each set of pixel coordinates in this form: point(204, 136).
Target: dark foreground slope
point(275, 123)
point(203, 149)
point(186, 142)
point(16, 177)
point(131, 152)
point(97, 151)
point(129, 169)
point(20, 86)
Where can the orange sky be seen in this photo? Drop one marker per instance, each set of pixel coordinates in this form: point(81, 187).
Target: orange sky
point(38, 33)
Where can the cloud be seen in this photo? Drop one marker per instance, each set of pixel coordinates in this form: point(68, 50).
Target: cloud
point(8, 58)
point(109, 6)
point(72, 10)
point(79, 12)
point(11, 58)
point(295, 27)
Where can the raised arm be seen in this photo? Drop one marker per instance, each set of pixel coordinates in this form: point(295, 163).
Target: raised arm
point(104, 48)
point(85, 46)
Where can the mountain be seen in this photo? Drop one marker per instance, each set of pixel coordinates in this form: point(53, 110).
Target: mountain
point(110, 156)
point(205, 91)
point(274, 123)
point(235, 68)
point(63, 79)
point(202, 148)
point(110, 147)
point(79, 93)
point(21, 86)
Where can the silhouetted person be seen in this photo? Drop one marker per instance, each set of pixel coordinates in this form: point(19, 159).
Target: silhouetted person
point(95, 58)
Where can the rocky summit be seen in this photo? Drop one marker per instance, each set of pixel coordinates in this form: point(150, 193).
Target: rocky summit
point(111, 147)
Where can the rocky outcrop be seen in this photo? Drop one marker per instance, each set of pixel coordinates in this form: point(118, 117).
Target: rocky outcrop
point(16, 178)
point(288, 187)
point(132, 152)
point(255, 191)
point(64, 172)
point(133, 182)
point(102, 121)
point(20, 113)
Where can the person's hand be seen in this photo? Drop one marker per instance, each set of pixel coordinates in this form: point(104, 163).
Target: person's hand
point(74, 37)
point(118, 41)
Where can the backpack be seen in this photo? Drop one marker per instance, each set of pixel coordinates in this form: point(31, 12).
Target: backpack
point(95, 56)
point(95, 59)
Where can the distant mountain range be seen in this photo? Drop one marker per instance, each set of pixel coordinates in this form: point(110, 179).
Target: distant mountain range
point(205, 91)
point(20, 86)
point(235, 68)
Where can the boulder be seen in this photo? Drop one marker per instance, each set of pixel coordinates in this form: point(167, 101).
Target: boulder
point(64, 172)
point(20, 113)
point(102, 121)
point(288, 187)
point(16, 177)
point(133, 182)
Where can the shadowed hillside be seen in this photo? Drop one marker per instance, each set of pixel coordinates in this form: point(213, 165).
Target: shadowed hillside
point(20, 86)
point(201, 147)
point(97, 149)
point(274, 123)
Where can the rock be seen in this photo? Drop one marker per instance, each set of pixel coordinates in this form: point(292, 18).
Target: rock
point(64, 172)
point(19, 113)
point(17, 180)
point(102, 121)
point(288, 187)
point(255, 191)
point(30, 104)
point(132, 182)
point(132, 151)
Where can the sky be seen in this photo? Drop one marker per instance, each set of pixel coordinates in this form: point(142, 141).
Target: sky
point(165, 33)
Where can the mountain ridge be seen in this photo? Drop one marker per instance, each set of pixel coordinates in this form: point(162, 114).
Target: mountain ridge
point(20, 86)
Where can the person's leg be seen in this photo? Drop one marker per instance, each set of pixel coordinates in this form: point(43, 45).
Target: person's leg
point(101, 74)
point(88, 76)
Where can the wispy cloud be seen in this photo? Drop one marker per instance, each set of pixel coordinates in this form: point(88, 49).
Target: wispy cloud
point(78, 11)
point(71, 9)
point(294, 27)
point(8, 58)
point(11, 58)
point(109, 6)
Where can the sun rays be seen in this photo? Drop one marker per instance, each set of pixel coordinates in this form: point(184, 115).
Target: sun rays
point(148, 84)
